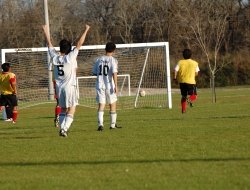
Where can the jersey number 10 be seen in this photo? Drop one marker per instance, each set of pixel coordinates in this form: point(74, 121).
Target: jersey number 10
point(103, 70)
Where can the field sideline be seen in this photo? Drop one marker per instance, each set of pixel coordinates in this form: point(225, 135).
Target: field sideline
point(206, 148)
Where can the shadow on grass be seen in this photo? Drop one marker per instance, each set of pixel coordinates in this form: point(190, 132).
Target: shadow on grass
point(209, 117)
point(226, 117)
point(27, 137)
point(230, 117)
point(64, 163)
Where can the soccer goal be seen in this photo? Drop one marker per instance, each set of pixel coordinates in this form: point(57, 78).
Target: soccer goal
point(141, 66)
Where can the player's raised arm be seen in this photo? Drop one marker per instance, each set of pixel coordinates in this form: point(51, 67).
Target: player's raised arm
point(47, 35)
point(82, 38)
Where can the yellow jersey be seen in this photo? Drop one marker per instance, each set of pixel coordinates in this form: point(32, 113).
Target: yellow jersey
point(6, 79)
point(186, 71)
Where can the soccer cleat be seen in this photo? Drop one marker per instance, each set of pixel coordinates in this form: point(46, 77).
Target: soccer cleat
point(10, 119)
point(100, 128)
point(116, 127)
point(63, 133)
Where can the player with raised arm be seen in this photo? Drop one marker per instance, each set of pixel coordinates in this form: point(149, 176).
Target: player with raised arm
point(185, 72)
point(65, 65)
point(106, 69)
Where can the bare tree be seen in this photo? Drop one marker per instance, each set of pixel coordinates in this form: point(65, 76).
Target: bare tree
point(206, 22)
point(101, 14)
point(10, 11)
point(126, 16)
point(152, 20)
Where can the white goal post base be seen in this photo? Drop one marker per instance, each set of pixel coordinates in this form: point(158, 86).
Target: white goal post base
point(146, 64)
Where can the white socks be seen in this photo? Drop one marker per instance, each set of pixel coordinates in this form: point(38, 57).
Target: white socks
point(113, 117)
point(100, 118)
point(65, 121)
point(62, 119)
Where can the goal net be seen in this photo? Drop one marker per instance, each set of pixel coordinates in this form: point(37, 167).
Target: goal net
point(141, 66)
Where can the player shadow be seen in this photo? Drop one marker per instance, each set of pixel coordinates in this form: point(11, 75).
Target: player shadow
point(21, 137)
point(230, 117)
point(162, 119)
point(28, 137)
point(184, 160)
point(225, 117)
point(46, 117)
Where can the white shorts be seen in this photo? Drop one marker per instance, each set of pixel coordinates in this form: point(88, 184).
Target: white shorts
point(105, 96)
point(67, 96)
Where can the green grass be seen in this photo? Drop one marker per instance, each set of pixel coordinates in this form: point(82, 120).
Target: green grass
point(206, 148)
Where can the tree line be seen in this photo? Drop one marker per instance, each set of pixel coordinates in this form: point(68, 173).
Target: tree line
point(217, 31)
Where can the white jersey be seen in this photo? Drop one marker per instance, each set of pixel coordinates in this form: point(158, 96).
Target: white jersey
point(104, 68)
point(65, 77)
point(64, 67)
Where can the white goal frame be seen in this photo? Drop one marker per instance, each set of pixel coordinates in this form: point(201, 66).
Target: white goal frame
point(165, 45)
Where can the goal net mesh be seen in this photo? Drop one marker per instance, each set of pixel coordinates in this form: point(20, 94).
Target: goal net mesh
point(139, 68)
point(32, 76)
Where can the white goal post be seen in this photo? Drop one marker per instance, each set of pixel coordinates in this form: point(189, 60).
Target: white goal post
point(140, 66)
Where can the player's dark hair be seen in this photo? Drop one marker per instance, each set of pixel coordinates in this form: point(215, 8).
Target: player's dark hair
point(110, 47)
point(65, 46)
point(5, 67)
point(187, 53)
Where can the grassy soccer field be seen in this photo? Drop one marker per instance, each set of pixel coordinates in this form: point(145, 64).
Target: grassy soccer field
point(206, 148)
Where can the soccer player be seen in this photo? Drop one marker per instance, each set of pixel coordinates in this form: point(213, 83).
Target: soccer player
point(65, 66)
point(8, 91)
point(185, 72)
point(106, 69)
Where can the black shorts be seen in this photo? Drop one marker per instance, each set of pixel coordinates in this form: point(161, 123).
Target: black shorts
point(188, 89)
point(8, 100)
